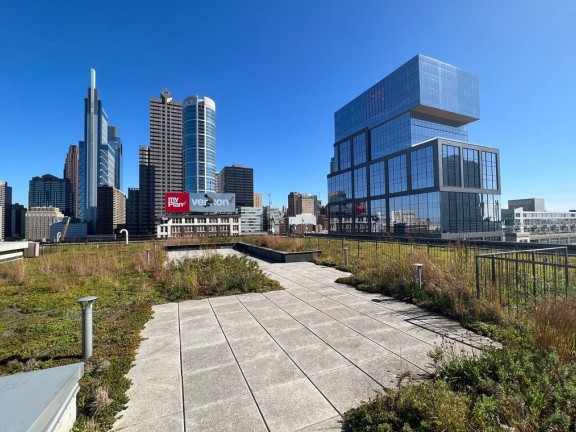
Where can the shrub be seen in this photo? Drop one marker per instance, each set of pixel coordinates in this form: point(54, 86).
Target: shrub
point(213, 275)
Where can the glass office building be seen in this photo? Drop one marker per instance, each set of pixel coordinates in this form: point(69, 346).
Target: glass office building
point(402, 162)
point(199, 142)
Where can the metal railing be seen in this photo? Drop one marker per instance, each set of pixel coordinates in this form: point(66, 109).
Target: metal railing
point(518, 279)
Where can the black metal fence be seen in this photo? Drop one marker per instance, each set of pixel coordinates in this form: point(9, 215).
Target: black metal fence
point(518, 279)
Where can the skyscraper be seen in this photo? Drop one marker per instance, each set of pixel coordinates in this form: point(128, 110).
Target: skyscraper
point(5, 203)
point(145, 195)
point(240, 181)
point(71, 174)
point(164, 157)
point(115, 144)
point(95, 140)
point(51, 191)
point(199, 141)
point(402, 163)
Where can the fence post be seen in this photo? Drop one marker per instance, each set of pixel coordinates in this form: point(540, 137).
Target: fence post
point(493, 270)
point(534, 285)
point(567, 274)
point(346, 250)
point(478, 278)
point(358, 254)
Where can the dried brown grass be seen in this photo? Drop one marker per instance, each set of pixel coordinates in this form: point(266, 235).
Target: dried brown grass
point(552, 327)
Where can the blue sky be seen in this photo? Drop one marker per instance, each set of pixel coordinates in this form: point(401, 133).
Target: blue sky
point(278, 70)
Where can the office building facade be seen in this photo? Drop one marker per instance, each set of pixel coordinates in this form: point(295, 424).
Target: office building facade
point(71, 174)
point(251, 220)
point(162, 163)
point(299, 203)
point(240, 181)
point(95, 141)
point(116, 148)
point(527, 221)
point(402, 163)
point(258, 200)
point(199, 142)
point(111, 210)
point(38, 221)
point(51, 191)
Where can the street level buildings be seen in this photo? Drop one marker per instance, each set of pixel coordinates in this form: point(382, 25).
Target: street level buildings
point(299, 203)
point(527, 221)
point(38, 221)
point(402, 162)
point(199, 142)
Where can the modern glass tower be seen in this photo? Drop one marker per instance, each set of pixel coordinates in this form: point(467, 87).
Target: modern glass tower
point(199, 141)
point(402, 163)
point(115, 149)
point(95, 137)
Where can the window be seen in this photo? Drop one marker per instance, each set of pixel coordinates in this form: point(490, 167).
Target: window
point(377, 179)
point(345, 156)
point(360, 188)
point(359, 149)
point(489, 170)
point(422, 165)
point(451, 165)
point(471, 168)
point(397, 179)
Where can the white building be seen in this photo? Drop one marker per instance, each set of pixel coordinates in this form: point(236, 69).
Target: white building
point(252, 220)
point(531, 223)
point(208, 225)
point(38, 221)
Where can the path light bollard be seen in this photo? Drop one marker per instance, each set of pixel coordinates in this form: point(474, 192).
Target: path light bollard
point(418, 273)
point(148, 256)
point(346, 252)
point(86, 305)
point(125, 231)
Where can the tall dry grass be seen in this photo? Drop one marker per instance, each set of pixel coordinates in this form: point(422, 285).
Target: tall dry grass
point(551, 327)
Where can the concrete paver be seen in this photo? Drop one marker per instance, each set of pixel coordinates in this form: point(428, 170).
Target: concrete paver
point(290, 360)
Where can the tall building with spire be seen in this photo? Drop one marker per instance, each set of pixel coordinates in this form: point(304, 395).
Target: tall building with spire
point(199, 141)
point(95, 139)
point(71, 174)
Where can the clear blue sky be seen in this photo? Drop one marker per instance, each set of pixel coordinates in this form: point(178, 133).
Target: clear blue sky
point(278, 70)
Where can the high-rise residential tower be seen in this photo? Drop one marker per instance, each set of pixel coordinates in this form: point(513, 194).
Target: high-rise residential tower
point(402, 163)
point(71, 174)
point(145, 195)
point(240, 181)
point(164, 158)
point(199, 142)
point(95, 139)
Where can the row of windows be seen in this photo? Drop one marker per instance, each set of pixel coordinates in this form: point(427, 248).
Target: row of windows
point(428, 213)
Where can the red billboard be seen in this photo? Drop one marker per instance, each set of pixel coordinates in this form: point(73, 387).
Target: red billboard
point(177, 202)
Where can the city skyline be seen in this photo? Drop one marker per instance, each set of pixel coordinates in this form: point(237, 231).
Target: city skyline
point(278, 76)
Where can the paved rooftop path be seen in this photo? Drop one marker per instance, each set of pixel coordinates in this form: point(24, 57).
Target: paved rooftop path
point(291, 360)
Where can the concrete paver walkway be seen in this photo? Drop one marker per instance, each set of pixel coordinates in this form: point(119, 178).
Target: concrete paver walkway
point(291, 360)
